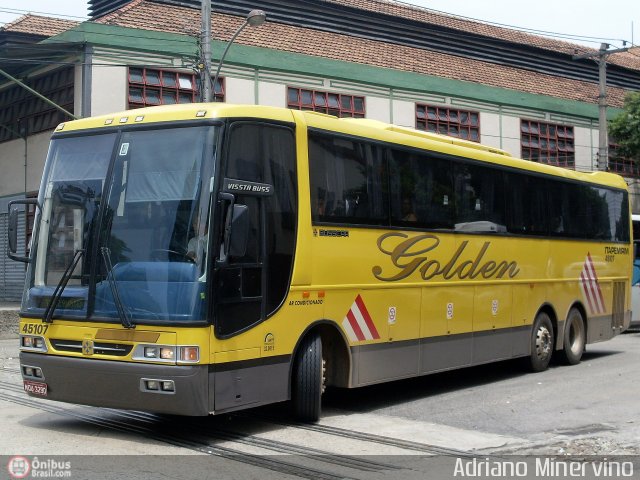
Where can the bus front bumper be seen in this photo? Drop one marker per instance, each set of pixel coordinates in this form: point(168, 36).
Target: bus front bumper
point(123, 385)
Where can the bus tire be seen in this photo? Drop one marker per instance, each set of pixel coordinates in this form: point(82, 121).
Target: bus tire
point(575, 337)
point(308, 380)
point(542, 342)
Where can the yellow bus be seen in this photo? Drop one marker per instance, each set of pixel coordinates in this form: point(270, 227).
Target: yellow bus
point(207, 258)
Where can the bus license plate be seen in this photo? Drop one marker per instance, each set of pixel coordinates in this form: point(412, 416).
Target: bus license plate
point(37, 388)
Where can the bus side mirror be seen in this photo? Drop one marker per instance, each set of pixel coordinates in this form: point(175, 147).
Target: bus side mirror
point(239, 231)
point(12, 230)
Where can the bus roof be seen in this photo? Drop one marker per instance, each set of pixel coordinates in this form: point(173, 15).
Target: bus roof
point(177, 113)
point(367, 128)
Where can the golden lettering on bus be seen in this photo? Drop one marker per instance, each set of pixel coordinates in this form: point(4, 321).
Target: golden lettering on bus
point(414, 254)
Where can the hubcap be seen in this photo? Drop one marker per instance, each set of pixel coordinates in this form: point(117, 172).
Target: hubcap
point(543, 342)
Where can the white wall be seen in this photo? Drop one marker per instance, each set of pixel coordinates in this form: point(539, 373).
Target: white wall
point(490, 129)
point(377, 108)
point(12, 166)
point(272, 94)
point(109, 88)
point(511, 135)
point(38, 149)
point(77, 91)
point(240, 91)
point(585, 156)
point(404, 113)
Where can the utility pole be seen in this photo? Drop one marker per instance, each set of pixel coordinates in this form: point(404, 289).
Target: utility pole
point(603, 137)
point(205, 41)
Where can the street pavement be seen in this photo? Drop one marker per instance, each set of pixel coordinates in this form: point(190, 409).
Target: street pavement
point(8, 319)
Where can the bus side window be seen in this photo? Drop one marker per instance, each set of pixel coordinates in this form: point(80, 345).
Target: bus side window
point(527, 204)
point(421, 190)
point(348, 181)
point(481, 194)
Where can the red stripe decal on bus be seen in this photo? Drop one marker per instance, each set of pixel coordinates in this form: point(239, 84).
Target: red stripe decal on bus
point(585, 290)
point(354, 324)
point(595, 277)
point(367, 317)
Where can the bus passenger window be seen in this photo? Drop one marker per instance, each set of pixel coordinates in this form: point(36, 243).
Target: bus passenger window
point(420, 188)
point(348, 181)
point(480, 192)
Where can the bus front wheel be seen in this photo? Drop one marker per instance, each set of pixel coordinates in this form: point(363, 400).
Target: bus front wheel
point(542, 342)
point(575, 337)
point(308, 380)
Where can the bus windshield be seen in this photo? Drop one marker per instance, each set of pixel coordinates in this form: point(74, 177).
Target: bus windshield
point(136, 204)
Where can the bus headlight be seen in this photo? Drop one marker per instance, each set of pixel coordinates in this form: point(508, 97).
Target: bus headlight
point(150, 352)
point(33, 343)
point(189, 354)
point(167, 354)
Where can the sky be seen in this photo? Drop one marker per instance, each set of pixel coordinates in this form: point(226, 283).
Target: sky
point(609, 22)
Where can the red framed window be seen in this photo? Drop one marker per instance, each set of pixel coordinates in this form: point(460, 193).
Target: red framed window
point(150, 86)
point(547, 143)
point(463, 124)
point(627, 167)
point(337, 104)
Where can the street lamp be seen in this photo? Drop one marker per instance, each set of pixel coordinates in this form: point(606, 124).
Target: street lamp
point(255, 18)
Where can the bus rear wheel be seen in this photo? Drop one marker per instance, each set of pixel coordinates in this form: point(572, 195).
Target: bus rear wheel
point(575, 337)
point(542, 342)
point(308, 380)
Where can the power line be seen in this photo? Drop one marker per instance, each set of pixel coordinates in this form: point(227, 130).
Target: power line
point(467, 34)
point(104, 34)
point(547, 33)
point(513, 27)
point(22, 12)
point(71, 64)
point(568, 36)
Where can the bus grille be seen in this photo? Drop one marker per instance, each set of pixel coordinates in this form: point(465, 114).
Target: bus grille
point(618, 304)
point(99, 348)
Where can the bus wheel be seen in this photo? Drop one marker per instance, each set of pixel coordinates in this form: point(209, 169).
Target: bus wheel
point(308, 380)
point(575, 337)
point(541, 343)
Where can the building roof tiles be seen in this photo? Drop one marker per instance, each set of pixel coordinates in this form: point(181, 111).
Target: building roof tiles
point(435, 17)
point(146, 14)
point(39, 25)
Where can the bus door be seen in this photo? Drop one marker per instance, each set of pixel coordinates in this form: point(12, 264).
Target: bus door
point(258, 184)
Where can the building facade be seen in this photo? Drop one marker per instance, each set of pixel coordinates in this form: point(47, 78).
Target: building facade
point(374, 59)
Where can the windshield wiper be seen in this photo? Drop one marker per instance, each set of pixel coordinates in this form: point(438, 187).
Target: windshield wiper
point(111, 278)
point(62, 284)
